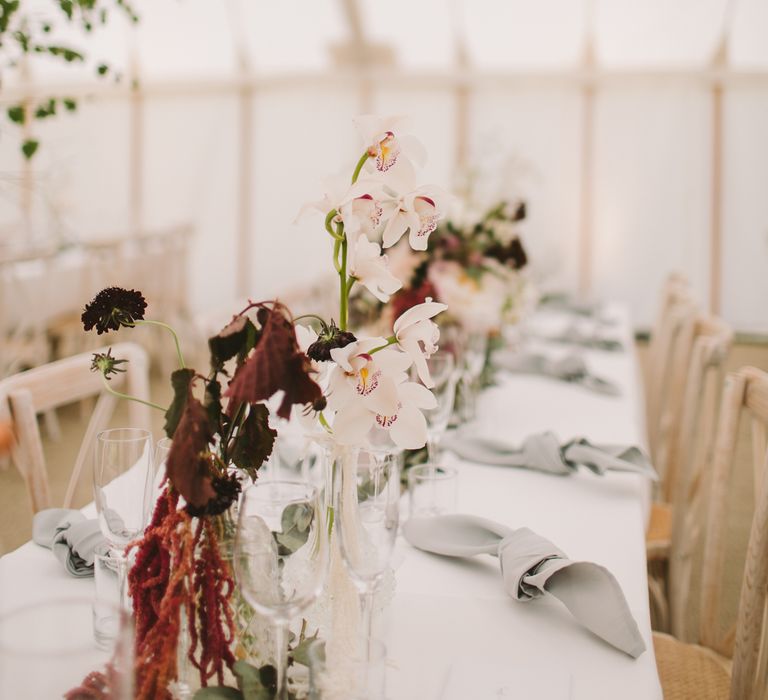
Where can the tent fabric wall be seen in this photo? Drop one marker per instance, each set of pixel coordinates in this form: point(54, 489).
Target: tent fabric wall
point(652, 164)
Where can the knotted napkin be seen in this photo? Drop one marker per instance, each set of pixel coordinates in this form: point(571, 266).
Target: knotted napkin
point(544, 452)
point(532, 566)
point(574, 335)
point(571, 368)
point(74, 539)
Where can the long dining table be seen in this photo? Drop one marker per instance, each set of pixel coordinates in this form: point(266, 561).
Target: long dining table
point(451, 631)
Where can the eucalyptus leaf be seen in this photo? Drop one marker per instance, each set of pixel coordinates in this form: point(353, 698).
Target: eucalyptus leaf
point(29, 148)
point(249, 681)
point(300, 653)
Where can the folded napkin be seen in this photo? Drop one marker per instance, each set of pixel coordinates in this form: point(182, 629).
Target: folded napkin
point(568, 369)
point(544, 452)
point(563, 302)
point(532, 566)
point(574, 335)
point(74, 539)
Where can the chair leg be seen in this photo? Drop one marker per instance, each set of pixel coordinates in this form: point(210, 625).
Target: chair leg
point(52, 425)
point(657, 593)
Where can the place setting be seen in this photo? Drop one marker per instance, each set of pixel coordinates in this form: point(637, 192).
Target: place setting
point(353, 351)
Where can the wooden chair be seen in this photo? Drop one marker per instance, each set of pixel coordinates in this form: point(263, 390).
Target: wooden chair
point(27, 394)
point(685, 458)
point(727, 665)
point(671, 336)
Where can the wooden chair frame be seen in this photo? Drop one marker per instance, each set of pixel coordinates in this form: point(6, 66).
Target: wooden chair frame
point(746, 391)
point(27, 394)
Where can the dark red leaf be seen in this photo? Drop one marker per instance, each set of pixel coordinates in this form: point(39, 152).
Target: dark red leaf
point(187, 467)
point(298, 385)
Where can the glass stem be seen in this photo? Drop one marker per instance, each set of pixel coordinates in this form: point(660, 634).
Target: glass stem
point(122, 578)
point(366, 604)
point(433, 447)
point(281, 660)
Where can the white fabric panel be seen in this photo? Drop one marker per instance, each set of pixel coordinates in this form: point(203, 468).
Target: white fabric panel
point(289, 35)
point(190, 176)
point(425, 40)
point(652, 192)
point(528, 140)
point(301, 137)
point(520, 33)
point(432, 120)
point(747, 47)
point(192, 38)
point(668, 33)
point(745, 209)
point(82, 164)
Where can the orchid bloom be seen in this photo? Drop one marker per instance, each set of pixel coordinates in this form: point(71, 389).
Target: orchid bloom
point(407, 426)
point(362, 386)
point(386, 143)
point(417, 335)
point(417, 212)
point(358, 206)
point(370, 267)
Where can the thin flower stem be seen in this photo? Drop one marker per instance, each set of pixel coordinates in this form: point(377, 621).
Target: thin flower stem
point(128, 397)
point(390, 341)
point(336, 249)
point(359, 166)
point(324, 422)
point(343, 289)
point(328, 221)
point(298, 318)
point(150, 322)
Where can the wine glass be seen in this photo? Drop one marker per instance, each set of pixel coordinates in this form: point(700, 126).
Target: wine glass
point(367, 516)
point(121, 478)
point(280, 557)
point(442, 367)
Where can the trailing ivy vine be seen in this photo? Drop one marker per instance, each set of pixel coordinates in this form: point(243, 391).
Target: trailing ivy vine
point(26, 32)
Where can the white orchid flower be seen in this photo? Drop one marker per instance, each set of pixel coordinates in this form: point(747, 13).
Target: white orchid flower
point(417, 335)
point(358, 206)
point(407, 426)
point(386, 142)
point(362, 386)
point(417, 212)
point(371, 268)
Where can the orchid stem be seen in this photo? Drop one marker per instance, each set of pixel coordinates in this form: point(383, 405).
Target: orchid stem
point(128, 397)
point(390, 341)
point(328, 220)
point(170, 330)
point(324, 422)
point(359, 166)
point(343, 288)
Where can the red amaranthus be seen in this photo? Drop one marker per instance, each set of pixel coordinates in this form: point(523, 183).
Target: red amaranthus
point(177, 569)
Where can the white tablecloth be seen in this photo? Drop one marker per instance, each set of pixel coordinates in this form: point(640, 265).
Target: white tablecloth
point(450, 625)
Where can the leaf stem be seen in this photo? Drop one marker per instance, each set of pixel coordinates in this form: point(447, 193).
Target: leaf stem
point(343, 288)
point(150, 322)
point(128, 397)
point(328, 221)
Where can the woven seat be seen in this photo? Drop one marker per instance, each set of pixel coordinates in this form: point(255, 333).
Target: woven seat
point(659, 534)
point(688, 671)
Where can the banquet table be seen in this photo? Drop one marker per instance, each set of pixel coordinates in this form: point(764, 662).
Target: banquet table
point(450, 630)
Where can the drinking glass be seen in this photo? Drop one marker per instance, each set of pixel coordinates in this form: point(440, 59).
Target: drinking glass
point(367, 515)
point(47, 649)
point(442, 367)
point(432, 490)
point(121, 480)
point(367, 680)
point(473, 360)
point(280, 557)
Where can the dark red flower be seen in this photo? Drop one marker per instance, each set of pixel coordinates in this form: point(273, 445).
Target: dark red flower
point(113, 307)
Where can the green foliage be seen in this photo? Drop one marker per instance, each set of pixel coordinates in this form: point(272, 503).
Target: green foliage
point(22, 32)
point(295, 523)
point(252, 684)
point(29, 148)
point(17, 114)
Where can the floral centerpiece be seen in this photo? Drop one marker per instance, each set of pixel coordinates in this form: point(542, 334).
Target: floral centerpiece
point(354, 390)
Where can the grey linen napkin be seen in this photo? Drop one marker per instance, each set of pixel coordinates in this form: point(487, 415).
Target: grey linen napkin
point(74, 539)
point(544, 452)
point(532, 566)
point(571, 368)
point(576, 336)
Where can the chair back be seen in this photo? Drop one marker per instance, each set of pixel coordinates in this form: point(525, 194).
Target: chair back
point(668, 352)
point(27, 394)
point(745, 393)
point(689, 459)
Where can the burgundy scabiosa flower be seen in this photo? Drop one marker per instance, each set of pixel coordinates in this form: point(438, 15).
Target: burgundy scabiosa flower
point(113, 307)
